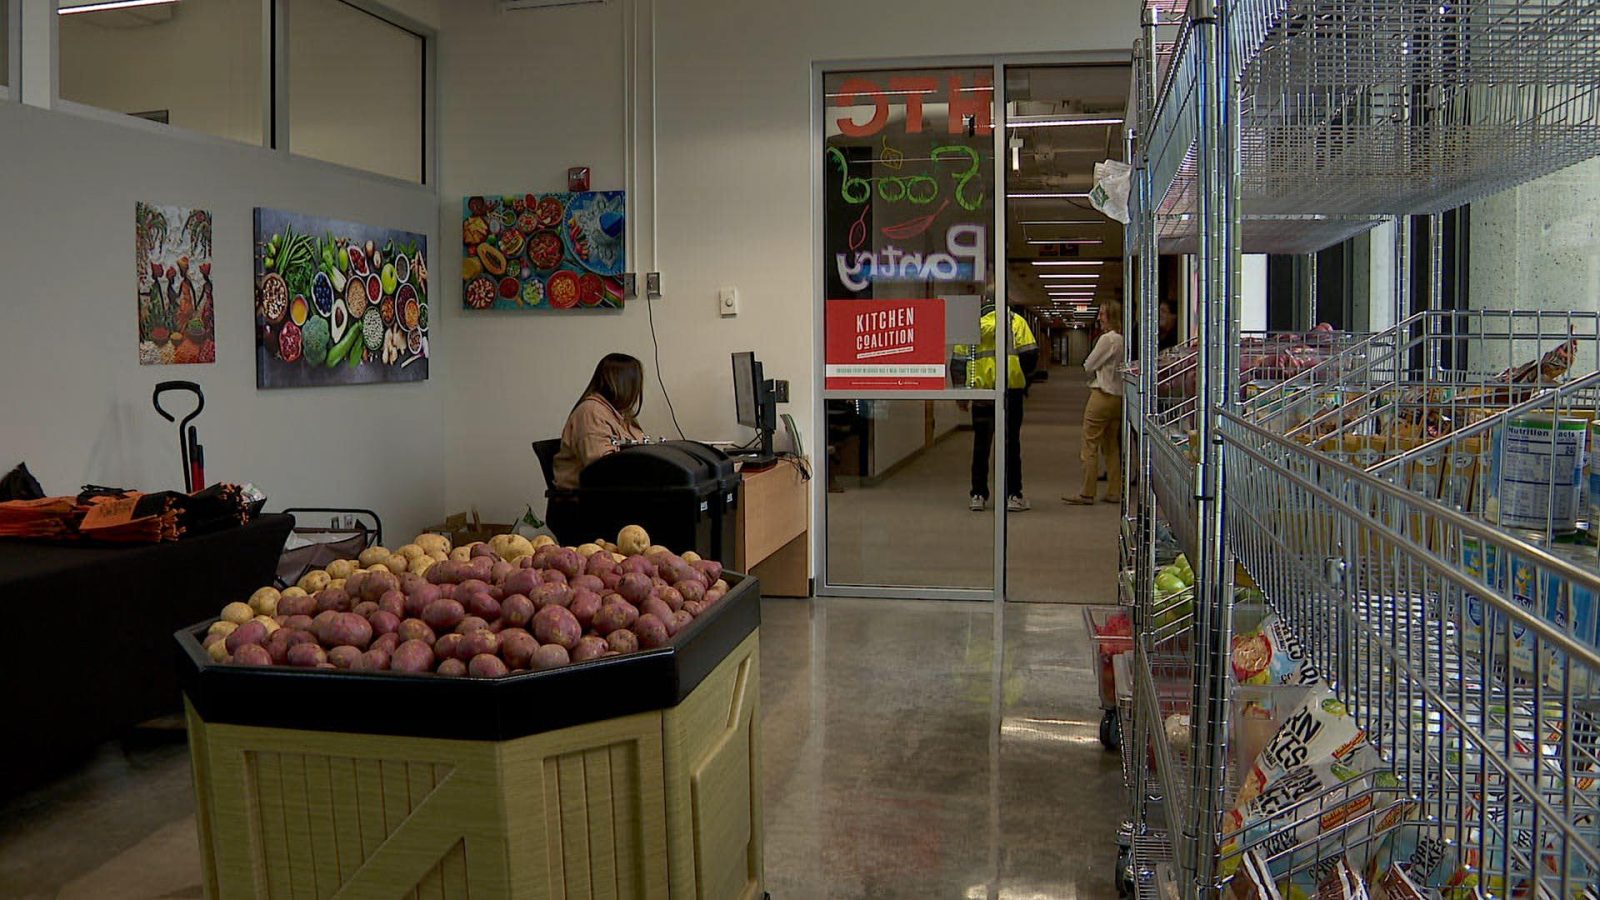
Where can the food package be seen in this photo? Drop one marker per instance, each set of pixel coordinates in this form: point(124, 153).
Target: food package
point(1253, 880)
point(1320, 729)
point(1342, 883)
point(1431, 862)
point(1395, 884)
point(1272, 654)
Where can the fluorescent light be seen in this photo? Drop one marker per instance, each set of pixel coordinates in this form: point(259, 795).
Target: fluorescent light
point(1069, 262)
point(1083, 241)
point(1047, 195)
point(1059, 121)
point(1061, 222)
point(1054, 275)
point(109, 4)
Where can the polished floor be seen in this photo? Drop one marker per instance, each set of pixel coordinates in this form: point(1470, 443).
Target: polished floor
point(904, 757)
point(913, 527)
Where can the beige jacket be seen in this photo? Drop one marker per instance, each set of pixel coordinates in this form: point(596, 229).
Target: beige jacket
point(588, 436)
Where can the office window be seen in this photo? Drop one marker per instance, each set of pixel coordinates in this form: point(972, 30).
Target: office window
point(355, 89)
point(196, 64)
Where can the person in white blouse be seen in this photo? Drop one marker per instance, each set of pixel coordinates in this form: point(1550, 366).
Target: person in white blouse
point(1102, 415)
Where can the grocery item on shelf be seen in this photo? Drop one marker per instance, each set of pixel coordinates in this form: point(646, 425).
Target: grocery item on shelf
point(1536, 473)
point(1272, 654)
point(1320, 729)
point(483, 610)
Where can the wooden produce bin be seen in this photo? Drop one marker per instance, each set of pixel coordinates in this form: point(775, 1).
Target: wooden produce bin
point(629, 776)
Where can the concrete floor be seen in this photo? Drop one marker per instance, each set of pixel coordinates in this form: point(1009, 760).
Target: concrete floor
point(914, 527)
point(903, 759)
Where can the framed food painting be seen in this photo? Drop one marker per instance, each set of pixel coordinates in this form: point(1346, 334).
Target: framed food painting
point(544, 251)
point(177, 309)
point(338, 302)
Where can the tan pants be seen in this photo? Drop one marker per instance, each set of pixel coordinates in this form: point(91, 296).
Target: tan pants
point(1102, 434)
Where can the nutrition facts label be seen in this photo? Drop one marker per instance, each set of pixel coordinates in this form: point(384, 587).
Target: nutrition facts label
point(1539, 468)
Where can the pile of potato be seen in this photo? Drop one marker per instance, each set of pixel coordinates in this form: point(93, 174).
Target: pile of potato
point(483, 610)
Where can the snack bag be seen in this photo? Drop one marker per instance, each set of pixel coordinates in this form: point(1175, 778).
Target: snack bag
point(1253, 881)
point(1430, 861)
point(1395, 884)
point(1341, 883)
point(1320, 729)
point(1272, 654)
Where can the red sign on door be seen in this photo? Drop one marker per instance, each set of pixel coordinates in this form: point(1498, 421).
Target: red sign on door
point(886, 344)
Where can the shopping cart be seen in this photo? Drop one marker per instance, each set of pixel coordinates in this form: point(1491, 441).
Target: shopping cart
point(1110, 632)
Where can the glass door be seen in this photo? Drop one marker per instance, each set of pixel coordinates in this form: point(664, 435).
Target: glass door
point(906, 242)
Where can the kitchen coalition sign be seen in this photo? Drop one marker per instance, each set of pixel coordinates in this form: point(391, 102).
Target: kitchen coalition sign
point(893, 344)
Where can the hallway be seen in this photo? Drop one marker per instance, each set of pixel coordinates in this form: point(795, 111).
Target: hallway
point(913, 527)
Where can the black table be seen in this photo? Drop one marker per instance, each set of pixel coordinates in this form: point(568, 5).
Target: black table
point(91, 647)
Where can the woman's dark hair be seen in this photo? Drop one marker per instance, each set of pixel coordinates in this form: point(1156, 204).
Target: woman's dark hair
point(619, 380)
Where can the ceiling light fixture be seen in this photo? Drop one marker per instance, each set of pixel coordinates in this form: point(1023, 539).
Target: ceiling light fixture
point(1082, 241)
point(1047, 195)
point(107, 5)
point(1069, 262)
point(1061, 222)
point(1060, 121)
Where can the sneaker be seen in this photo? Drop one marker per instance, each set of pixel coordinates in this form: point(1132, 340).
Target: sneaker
point(977, 503)
point(1017, 503)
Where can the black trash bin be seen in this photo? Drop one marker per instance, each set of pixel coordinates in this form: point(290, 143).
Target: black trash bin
point(677, 491)
point(725, 508)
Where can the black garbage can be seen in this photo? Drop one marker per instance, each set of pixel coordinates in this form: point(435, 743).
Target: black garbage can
point(676, 490)
point(725, 507)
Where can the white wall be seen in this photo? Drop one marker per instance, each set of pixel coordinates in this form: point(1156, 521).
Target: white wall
point(76, 403)
point(733, 169)
point(203, 65)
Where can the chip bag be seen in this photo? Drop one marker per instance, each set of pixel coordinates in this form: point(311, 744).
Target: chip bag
point(1272, 654)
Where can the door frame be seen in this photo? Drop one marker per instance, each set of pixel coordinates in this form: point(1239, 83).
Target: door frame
point(998, 63)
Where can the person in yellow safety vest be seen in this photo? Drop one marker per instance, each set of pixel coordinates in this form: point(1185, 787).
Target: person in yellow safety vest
point(980, 366)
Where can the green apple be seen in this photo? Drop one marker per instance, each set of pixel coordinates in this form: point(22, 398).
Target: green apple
point(1168, 583)
point(1186, 575)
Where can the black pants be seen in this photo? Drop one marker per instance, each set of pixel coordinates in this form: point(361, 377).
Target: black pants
point(983, 436)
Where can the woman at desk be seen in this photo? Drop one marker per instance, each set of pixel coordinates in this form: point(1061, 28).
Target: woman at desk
point(604, 416)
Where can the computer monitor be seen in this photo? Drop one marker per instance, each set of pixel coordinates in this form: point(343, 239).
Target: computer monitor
point(753, 402)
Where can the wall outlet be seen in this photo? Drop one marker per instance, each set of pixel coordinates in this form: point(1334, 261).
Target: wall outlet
point(652, 285)
point(728, 301)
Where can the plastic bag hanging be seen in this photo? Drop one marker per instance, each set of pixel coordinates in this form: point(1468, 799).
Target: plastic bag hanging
point(1110, 193)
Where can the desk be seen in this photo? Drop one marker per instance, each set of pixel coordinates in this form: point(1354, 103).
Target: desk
point(774, 536)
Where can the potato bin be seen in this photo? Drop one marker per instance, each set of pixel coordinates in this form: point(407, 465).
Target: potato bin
point(627, 776)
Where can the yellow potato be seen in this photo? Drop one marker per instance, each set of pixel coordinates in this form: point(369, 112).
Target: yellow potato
point(543, 540)
point(270, 623)
point(222, 627)
point(510, 547)
point(618, 556)
point(654, 549)
point(588, 550)
point(374, 554)
point(341, 568)
point(237, 613)
point(439, 556)
point(432, 543)
point(411, 551)
point(296, 591)
point(265, 601)
point(422, 564)
point(396, 564)
point(336, 582)
point(461, 554)
point(691, 556)
point(218, 651)
point(314, 581)
point(632, 539)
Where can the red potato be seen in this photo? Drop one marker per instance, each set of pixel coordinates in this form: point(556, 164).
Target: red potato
point(470, 624)
point(344, 656)
point(525, 562)
point(611, 579)
point(517, 647)
point(681, 620)
point(394, 602)
point(499, 571)
point(447, 591)
point(385, 642)
point(297, 606)
point(550, 656)
point(409, 582)
point(252, 655)
point(614, 617)
point(415, 630)
point(487, 665)
point(557, 625)
point(299, 623)
point(347, 629)
point(251, 632)
point(652, 632)
point(306, 656)
point(639, 565)
point(517, 611)
point(365, 608)
point(412, 656)
point(522, 581)
point(590, 647)
point(551, 595)
point(497, 592)
point(378, 583)
point(384, 622)
point(277, 647)
point(713, 596)
point(693, 608)
point(635, 587)
point(496, 625)
point(352, 585)
point(600, 563)
point(672, 597)
point(452, 668)
point(543, 555)
point(212, 637)
point(443, 615)
point(711, 569)
point(320, 624)
point(691, 590)
point(585, 603)
point(483, 606)
point(588, 583)
point(481, 550)
point(622, 641)
point(336, 599)
point(553, 576)
point(481, 568)
point(442, 573)
point(656, 607)
point(569, 562)
point(470, 586)
point(449, 646)
point(374, 660)
point(478, 643)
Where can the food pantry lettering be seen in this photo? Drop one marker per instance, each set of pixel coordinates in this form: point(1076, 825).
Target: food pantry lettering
point(885, 332)
point(967, 258)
